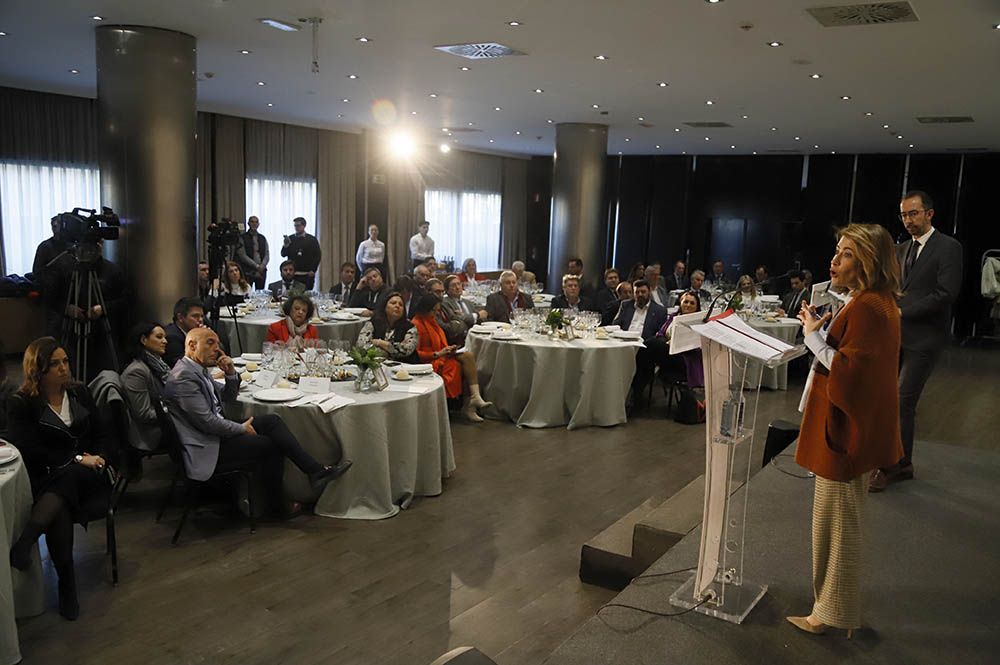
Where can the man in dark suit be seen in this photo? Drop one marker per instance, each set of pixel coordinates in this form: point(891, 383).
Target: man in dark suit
point(932, 278)
point(792, 301)
point(210, 441)
point(509, 298)
point(287, 283)
point(189, 313)
point(718, 277)
point(678, 279)
point(574, 266)
point(645, 316)
point(370, 290)
point(570, 300)
point(607, 294)
point(345, 287)
point(304, 250)
point(610, 312)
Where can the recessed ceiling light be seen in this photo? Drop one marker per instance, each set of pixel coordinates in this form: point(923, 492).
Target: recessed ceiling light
point(352, 76)
point(627, 139)
point(745, 117)
point(774, 44)
point(774, 129)
point(279, 25)
point(497, 108)
point(845, 97)
point(340, 115)
point(550, 121)
point(868, 113)
point(517, 133)
point(470, 124)
point(677, 129)
point(683, 152)
point(709, 102)
point(445, 148)
point(732, 147)
point(464, 69)
point(433, 95)
point(619, 153)
point(261, 83)
point(491, 140)
point(596, 106)
point(885, 126)
point(600, 57)
point(444, 129)
point(899, 136)
point(707, 139)
point(911, 145)
point(74, 71)
point(346, 100)
point(269, 105)
point(413, 113)
point(815, 146)
point(539, 90)
point(245, 51)
point(833, 152)
point(713, 2)
point(363, 40)
point(657, 147)
point(754, 152)
point(514, 24)
point(816, 76)
point(796, 138)
point(996, 26)
point(663, 84)
point(2, 33)
point(97, 18)
point(640, 118)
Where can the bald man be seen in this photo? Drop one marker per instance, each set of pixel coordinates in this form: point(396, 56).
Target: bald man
point(213, 443)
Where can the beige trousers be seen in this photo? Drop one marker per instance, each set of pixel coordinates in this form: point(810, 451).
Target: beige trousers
point(838, 508)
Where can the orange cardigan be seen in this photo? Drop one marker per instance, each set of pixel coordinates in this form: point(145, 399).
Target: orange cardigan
point(278, 332)
point(851, 420)
point(432, 339)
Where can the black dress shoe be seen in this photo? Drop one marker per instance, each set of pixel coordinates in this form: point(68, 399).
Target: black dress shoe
point(69, 605)
point(327, 474)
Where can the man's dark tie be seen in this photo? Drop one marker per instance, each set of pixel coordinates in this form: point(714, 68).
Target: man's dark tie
point(911, 256)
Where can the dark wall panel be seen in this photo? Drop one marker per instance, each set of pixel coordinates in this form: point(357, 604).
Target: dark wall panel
point(978, 231)
point(825, 207)
point(938, 176)
point(539, 208)
point(878, 186)
point(668, 238)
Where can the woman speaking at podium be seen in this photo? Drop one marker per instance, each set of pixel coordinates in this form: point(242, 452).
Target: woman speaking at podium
point(850, 423)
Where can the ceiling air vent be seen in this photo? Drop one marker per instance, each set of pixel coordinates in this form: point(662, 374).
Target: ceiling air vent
point(875, 13)
point(708, 125)
point(944, 119)
point(480, 50)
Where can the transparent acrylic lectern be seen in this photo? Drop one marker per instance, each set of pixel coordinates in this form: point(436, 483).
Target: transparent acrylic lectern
point(732, 387)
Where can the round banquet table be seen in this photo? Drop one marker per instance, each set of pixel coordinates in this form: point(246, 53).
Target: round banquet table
point(400, 443)
point(253, 331)
point(785, 329)
point(21, 593)
point(539, 382)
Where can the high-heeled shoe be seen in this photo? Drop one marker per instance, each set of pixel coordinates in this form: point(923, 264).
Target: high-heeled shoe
point(803, 624)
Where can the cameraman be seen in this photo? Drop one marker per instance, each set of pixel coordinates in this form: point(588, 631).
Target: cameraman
point(303, 249)
point(252, 254)
point(46, 251)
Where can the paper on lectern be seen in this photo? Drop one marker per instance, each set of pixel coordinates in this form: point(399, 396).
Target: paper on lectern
point(682, 338)
point(732, 332)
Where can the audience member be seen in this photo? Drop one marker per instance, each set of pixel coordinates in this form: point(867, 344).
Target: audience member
point(252, 254)
point(204, 280)
point(717, 280)
point(371, 251)
point(763, 280)
point(421, 245)
point(469, 274)
point(303, 249)
point(369, 291)
point(421, 274)
point(211, 442)
point(431, 264)
point(459, 309)
point(697, 280)
point(807, 279)
point(607, 295)
point(932, 278)
point(570, 299)
point(390, 331)
point(523, 276)
point(622, 293)
point(295, 327)
point(45, 254)
point(574, 266)
point(345, 286)
point(677, 280)
point(454, 368)
point(509, 298)
point(746, 290)
point(644, 316)
point(657, 291)
point(189, 313)
point(142, 382)
point(408, 290)
point(687, 364)
point(792, 301)
point(287, 284)
point(235, 288)
point(57, 428)
point(636, 272)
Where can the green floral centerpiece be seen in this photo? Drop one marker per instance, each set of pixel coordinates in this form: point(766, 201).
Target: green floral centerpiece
point(371, 377)
point(555, 319)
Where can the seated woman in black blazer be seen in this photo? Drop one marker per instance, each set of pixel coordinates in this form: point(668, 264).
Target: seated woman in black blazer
point(143, 381)
point(54, 423)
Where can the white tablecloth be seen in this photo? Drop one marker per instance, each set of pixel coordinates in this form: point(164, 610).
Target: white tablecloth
point(547, 383)
point(400, 444)
point(253, 331)
point(776, 378)
point(21, 594)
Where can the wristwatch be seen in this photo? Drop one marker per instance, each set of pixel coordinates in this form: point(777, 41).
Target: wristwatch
point(78, 459)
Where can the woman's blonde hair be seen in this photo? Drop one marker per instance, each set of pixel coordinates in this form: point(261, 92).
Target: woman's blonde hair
point(878, 268)
point(36, 364)
point(243, 280)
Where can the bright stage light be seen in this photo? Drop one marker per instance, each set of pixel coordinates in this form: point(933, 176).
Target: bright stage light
point(401, 145)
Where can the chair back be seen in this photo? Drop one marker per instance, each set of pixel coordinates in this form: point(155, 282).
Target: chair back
point(169, 438)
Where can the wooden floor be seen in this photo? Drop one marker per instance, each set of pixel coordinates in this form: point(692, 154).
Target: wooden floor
point(492, 562)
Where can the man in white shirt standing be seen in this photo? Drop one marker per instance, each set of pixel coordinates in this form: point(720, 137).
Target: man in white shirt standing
point(371, 252)
point(421, 244)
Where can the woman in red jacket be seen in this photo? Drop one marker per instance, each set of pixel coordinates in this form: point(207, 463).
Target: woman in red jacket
point(454, 368)
point(850, 424)
point(295, 326)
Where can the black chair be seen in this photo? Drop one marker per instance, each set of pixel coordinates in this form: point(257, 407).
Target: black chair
point(100, 507)
point(671, 383)
point(192, 488)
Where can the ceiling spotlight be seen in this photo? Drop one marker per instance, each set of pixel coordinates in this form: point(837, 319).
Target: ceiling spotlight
point(899, 136)
point(497, 108)
point(713, 2)
point(433, 95)
point(261, 83)
point(732, 147)
point(363, 40)
point(402, 145)
point(816, 76)
point(549, 120)
point(245, 51)
point(774, 44)
point(97, 18)
point(662, 84)
point(352, 76)
point(470, 124)
point(340, 115)
point(514, 24)
point(619, 153)
point(833, 152)
point(774, 129)
point(517, 132)
point(709, 102)
point(885, 126)
point(445, 148)
point(600, 57)
point(413, 113)
point(796, 138)
point(444, 129)
point(745, 117)
point(2, 33)
point(539, 90)
point(491, 140)
point(815, 146)
point(269, 105)
point(596, 106)
point(346, 100)
point(640, 118)
point(74, 71)
point(868, 113)
point(677, 129)
point(707, 139)
point(464, 69)
point(754, 152)
point(279, 25)
point(996, 26)
point(627, 140)
point(911, 145)
point(845, 97)
point(657, 147)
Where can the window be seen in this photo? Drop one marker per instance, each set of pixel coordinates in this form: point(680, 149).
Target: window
point(465, 225)
point(30, 196)
point(276, 203)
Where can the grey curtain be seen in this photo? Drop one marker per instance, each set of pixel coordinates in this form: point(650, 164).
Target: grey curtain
point(229, 164)
point(336, 199)
point(405, 211)
point(281, 151)
point(514, 211)
point(462, 171)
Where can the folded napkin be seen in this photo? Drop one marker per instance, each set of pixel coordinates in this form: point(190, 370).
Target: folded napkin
point(627, 334)
point(416, 390)
point(418, 369)
point(327, 402)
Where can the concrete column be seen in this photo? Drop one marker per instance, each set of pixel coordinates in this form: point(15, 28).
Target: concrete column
point(579, 223)
point(146, 87)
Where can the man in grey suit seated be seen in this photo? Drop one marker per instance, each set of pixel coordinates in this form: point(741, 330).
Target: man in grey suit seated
point(212, 443)
point(509, 298)
point(462, 313)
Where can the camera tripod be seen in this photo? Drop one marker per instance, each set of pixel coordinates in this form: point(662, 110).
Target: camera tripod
point(219, 255)
point(85, 292)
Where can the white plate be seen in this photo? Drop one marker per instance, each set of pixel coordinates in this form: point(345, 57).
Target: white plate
point(353, 310)
point(8, 454)
point(239, 361)
point(253, 356)
point(345, 316)
point(396, 378)
point(277, 395)
point(418, 370)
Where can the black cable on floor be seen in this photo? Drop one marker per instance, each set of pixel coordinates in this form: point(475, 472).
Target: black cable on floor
point(653, 612)
point(672, 572)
